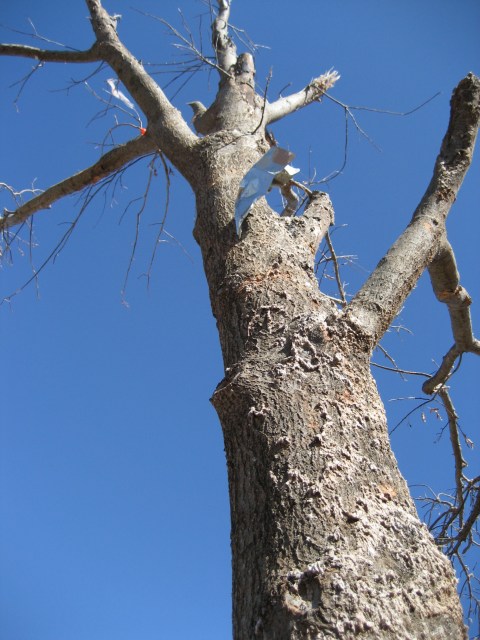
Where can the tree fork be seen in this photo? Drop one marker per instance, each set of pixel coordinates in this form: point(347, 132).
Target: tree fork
point(324, 531)
point(326, 541)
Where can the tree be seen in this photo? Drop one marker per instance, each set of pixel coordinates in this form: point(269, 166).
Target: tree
point(322, 524)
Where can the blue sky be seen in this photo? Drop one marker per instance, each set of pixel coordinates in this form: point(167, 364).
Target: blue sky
point(114, 518)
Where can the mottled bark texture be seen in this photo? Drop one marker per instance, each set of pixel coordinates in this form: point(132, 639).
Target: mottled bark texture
point(326, 541)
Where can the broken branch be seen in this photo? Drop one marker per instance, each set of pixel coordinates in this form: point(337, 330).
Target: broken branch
point(223, 45)
point(311, 93)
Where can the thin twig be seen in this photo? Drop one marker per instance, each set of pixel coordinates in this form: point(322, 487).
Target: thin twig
point(138, 217)
point(336, 269)
point(163, 220)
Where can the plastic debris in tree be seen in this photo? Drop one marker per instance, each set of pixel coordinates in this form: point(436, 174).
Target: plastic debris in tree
point(113, 84)
point(272, 167)
point(119, 95)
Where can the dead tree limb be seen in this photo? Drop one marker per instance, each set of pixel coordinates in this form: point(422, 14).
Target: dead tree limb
point(311, 93)
point(109, 163)
point(223, 45)
point(46, 55)
point(380, 298)
point(166, 126)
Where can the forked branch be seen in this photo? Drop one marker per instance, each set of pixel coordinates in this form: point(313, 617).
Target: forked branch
point(383, 294)
point(166, 126)
point(453, 518)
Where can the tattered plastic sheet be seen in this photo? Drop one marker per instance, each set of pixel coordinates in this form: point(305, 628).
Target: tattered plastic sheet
point(257, 182)
point(113, 84)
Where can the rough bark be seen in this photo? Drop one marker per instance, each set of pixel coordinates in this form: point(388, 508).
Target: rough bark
point(326, 541)
point(325, 538)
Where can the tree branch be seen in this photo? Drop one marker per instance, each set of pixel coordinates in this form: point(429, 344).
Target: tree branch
point(313, 225)
point(46, 55)
point(311, 93)
point(223, 45)
point(106, 165)
point(446, 285)
point(467, 528)
point(447, 289)
point(382, 295)
point(443, 372)
point(166, 126)
point(460, 463)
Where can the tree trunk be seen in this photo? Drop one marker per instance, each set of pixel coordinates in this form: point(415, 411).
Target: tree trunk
point(326, 541)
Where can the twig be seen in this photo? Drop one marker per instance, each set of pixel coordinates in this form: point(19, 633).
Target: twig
point(460, 463)
point(336, 269)
point(164, 218)
point(138, 217)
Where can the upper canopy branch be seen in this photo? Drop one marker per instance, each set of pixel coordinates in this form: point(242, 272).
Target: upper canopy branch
point(48, 55)
point(223, 45)
point(382, 295)
point(109, 163)
point(313, 91)
point(165, 123)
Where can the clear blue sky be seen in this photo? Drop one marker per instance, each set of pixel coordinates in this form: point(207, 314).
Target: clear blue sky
point(114, 520)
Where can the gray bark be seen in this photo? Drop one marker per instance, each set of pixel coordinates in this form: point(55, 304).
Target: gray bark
point(325, 538)
point(326, 541)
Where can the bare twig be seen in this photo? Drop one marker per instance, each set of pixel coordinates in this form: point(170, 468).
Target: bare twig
point(143, 203)
point(188, 44)
point(161, 229)
point(264, 105)
point(106, 165)
point(34, 34)
point(58, 247)
point(336, 269)
point(22, 83)
point(391, 113)
point(396, 369)
point(424, 402)
point(460, 463)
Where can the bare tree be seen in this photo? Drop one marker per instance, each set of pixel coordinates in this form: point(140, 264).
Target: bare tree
point(326, 541)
